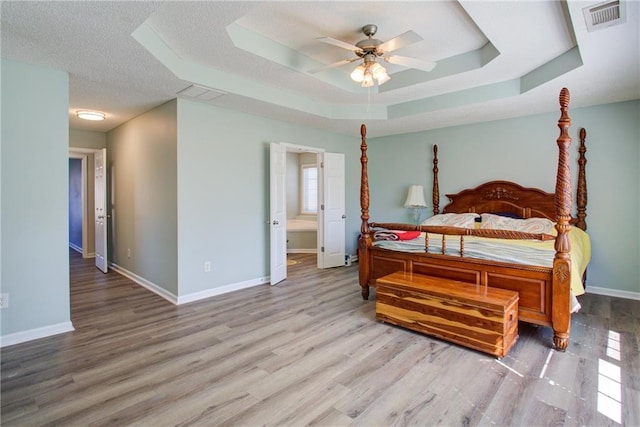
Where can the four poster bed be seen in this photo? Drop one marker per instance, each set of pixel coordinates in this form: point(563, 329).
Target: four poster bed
point(448, 246)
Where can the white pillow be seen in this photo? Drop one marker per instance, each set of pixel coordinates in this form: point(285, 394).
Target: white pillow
point(463, 220)
point(530, 225)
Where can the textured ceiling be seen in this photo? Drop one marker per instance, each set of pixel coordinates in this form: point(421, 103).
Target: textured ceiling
point(495, 59)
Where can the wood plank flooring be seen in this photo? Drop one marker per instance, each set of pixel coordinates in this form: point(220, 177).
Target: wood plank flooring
point(307, 352)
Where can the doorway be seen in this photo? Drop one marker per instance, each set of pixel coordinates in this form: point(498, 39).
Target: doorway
point(302, 198)
point(328, 178)
point(87, 204)
point(81, 202)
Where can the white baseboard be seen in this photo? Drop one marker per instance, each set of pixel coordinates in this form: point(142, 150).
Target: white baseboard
point(80, 251)
point(196, 296)
point(75, 247)
point(146, 284)
point(612, 292)
point(34, 334)
point(302, 251)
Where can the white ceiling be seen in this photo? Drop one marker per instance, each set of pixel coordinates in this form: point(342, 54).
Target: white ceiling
point(496, 59)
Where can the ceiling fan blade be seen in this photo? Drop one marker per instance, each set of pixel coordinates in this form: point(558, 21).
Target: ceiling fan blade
point(339, 43)
point(411, 62)
point(335, 64)
point(404, 39)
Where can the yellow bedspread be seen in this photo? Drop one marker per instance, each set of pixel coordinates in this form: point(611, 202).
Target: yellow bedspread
point(530, 252)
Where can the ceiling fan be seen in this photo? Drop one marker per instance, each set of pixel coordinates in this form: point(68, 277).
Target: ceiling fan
point(370, 49)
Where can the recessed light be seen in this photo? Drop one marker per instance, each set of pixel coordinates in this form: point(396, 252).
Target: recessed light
point(90, 115)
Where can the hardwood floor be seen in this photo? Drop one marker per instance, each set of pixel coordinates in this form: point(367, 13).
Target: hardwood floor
point(307, 352)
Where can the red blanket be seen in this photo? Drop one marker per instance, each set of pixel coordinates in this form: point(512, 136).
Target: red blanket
point(395, 235)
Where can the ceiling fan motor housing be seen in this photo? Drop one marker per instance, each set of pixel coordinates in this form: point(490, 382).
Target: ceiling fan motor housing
point(369, 45)
point(370, 30)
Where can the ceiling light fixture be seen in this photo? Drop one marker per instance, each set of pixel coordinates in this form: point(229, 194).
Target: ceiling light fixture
point(366, 73)
point(90, 115)
point(371, 72)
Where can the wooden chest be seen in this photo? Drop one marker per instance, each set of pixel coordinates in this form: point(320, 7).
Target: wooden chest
point(477, 317)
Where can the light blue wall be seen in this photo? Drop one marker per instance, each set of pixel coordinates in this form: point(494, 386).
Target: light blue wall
point(35, 245)
point(524, 150)
point(142, 175)
point(223, 191)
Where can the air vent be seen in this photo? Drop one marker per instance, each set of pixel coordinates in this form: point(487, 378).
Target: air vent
point(201, 93)
point(604, 15)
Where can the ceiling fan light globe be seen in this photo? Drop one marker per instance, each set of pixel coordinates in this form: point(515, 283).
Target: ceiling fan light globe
point(382, 78)
point(375, 68)
point(367, 80)
point(358, 74)
point(378, 71)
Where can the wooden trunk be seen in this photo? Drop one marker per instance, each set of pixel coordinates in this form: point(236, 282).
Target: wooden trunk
point(533, 284)
point(478, 317)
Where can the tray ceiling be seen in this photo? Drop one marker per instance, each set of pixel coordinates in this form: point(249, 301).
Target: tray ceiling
point(495, 59)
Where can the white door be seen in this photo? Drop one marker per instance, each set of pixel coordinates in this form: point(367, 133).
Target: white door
point(278, 212)
point(101, 209)
point(332, 211)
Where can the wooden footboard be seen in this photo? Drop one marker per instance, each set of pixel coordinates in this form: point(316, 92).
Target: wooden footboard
point(533, 284)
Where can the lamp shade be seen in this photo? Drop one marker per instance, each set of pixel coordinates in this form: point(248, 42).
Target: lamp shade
point(415, 198)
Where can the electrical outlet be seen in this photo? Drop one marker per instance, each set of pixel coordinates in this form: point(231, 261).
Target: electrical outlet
point(4, 300)
point(207, 266)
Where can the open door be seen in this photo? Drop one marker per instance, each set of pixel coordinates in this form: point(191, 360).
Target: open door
point(278, 212)
point(101, 209)
point(332, 211)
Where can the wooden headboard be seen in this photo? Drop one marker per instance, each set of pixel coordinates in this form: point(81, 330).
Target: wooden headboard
point(507, 197)
point(503, 197)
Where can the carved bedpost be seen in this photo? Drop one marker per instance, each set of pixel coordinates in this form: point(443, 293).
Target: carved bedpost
point(364, 243)
point(581, 196)
point(435, 193)
point(561, 316)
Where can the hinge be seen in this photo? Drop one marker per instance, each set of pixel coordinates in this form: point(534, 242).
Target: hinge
point(321, 164)
point(322, 207)
point(322, 249)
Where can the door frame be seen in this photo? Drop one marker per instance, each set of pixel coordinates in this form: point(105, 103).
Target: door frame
point(83, 199)
point(83, 154)
point(296, 148)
